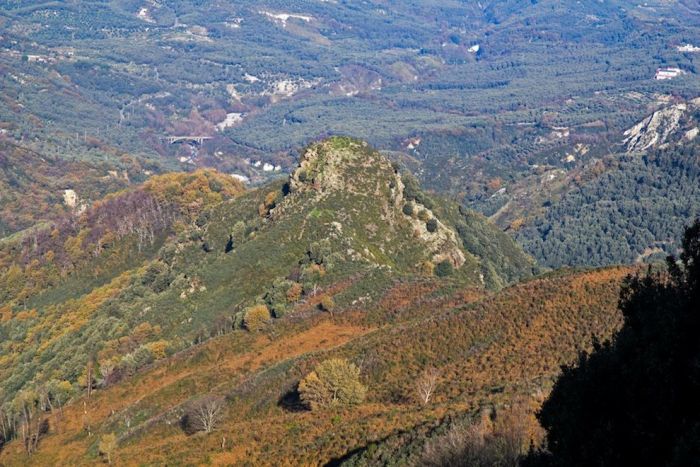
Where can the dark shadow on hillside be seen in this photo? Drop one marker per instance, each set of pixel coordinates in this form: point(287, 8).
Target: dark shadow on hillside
point(345, 457)
point(186, 425)
point(358, 451)
point(291, 402)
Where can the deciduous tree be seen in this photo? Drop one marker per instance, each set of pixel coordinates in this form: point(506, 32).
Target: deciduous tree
point(205, 414)
point(107, 446)
point(333, 382)
point(256, 318)
point(426, 384)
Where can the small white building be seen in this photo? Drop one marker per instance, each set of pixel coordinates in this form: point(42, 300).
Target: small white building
point(690, 48)
point(241, 178)
point(668, 73)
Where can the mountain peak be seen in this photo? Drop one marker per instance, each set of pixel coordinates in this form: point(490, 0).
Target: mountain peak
point(340, 163)
point(362, 196)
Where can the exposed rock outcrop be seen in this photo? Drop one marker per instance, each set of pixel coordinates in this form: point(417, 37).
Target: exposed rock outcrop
point(673, 124)
point(366, 179)
point(656, 129)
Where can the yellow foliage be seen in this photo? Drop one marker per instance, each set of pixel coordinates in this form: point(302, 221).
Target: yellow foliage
point(83, 378)
point(158, 348)
point(333, 382)
point(56, 322)
point(144, 332)
point(494, 184)
point(13, 277)
point(26, 314)
point(315, 269)
point(517, 223)
point(108, 238)
point(257, 317)
point(107, 446)
point(327, 303)
point(49, 256)
point(74, 246)
point(5, 313)
point(193, 191)
point(270, 199)
point(427, 268)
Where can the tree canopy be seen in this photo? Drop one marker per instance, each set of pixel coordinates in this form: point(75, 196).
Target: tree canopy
point(333, 383)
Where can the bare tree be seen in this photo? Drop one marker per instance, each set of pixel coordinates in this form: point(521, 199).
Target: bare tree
point(86, 419)
point(205, 414)
point(497, 439)
point(426, 383)
point(32, 424)
point(516, 427)
point(461, 445)
point(7, 424)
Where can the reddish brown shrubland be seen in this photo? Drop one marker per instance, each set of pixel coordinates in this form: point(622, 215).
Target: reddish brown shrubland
point(488, 352)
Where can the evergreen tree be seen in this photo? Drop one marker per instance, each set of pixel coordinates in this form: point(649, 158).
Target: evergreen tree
point(634, 400)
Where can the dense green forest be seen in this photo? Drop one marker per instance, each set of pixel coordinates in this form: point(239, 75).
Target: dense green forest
point(635, 210)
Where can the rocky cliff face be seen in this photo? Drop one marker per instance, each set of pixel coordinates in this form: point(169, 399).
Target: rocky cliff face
point(368, 200)
point(673, 123)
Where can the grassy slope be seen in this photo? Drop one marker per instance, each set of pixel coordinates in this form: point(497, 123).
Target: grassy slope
point(499, 345)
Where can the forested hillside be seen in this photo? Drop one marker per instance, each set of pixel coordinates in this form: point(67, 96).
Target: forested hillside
point(627, 207)
point(35, 188)
point(411, 331)
point(146, 273)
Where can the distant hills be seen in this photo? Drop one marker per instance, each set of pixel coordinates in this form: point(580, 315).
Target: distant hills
point(264, 78)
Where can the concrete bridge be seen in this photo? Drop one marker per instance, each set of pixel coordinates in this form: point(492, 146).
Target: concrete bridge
point(193, 139)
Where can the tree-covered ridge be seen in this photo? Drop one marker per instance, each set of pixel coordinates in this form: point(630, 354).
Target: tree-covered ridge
point(105, 232)
point(59, 282)
point(632, 211)
point(37, 188)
